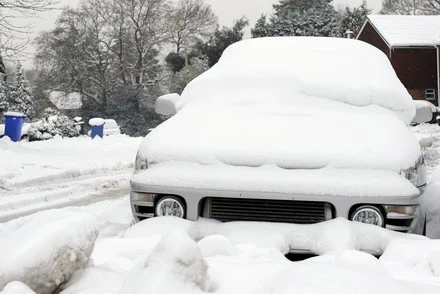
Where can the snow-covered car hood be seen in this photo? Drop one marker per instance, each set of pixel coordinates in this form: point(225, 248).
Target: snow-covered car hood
point(313, 134)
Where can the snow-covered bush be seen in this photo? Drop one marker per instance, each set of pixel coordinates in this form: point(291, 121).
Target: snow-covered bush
point(52, 124)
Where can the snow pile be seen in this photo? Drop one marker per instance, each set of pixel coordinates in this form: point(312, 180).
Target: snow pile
point(176, 265)
point(330, 236)
point(44, 249)
point(291, 69)
point(160, 255)
point(17, 287)
point(423, 256)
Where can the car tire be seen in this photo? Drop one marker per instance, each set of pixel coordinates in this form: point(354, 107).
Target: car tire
point(424, 228)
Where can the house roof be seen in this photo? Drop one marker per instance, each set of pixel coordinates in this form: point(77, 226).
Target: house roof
point(408, 30)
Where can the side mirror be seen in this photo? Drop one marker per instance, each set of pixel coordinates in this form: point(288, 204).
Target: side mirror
point(166, 104)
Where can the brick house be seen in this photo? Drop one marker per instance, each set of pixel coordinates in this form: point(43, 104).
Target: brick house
point(412, 43)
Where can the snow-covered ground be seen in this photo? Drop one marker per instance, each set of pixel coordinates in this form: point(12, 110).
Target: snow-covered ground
point(168, 255)
point(38, 175)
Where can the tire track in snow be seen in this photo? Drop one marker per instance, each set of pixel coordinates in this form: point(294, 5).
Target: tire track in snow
point(64, 191)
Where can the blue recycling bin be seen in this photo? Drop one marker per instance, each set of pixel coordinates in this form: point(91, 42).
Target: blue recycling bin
point(13, 124)
point(97, 127)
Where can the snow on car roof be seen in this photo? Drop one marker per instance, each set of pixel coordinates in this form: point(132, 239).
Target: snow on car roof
point(408, 30)
point(288, 70)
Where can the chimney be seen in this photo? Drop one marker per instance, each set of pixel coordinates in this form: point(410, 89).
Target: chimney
point(349, 34)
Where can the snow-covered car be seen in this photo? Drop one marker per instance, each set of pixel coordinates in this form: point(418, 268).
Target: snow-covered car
point(287, 129)
point(425, 112)
point(111, 127)
point(24, 130)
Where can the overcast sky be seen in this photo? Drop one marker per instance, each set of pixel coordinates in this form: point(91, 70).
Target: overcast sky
point(226, 10)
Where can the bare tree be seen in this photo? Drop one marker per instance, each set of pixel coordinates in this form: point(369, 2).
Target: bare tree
point(149, 31)
point(190, 21)
point(410, 7)
point(433, 6)
point(103, 45)
point(12, 34)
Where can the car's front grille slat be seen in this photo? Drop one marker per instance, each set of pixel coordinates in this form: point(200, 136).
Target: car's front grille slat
point(286, 211)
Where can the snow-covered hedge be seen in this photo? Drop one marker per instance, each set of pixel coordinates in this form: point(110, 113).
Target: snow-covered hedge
point(43, 250)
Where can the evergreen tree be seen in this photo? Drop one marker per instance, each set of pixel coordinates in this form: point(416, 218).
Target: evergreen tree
point(20, 97)
point(213, 49)
point(4, 97)
point(300, 18)
point(352, 20)
point(261, 28)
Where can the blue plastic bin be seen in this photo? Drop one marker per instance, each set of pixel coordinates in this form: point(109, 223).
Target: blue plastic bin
point(97, 127)
point(13, 125)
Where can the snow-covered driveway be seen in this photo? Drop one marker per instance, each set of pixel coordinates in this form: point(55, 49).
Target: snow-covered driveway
point(54, 173)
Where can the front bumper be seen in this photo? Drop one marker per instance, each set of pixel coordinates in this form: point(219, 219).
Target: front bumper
point(395, 209)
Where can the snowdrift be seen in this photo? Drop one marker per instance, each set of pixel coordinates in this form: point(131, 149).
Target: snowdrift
point(44, 249)
point(172, 255)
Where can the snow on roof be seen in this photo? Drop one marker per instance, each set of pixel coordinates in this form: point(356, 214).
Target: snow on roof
point(408, 30)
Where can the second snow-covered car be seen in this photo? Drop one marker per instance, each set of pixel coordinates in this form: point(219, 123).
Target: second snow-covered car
point(287, 129)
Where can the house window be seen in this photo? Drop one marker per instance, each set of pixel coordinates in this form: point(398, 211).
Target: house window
point(430, 94)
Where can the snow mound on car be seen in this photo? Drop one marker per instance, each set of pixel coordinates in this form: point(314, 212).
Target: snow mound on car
point(44, 249)
point(291, 69)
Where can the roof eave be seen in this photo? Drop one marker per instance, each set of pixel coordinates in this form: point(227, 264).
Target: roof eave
point(376, 29)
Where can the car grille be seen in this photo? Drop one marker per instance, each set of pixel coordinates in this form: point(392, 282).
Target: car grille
point(284, 211)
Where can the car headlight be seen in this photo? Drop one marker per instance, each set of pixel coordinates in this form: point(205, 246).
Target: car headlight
point(412, 173)
point(141, 163)
point(369, 215)
point(170, 206)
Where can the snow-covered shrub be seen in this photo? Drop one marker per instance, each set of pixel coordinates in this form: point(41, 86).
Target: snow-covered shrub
point(52, 124)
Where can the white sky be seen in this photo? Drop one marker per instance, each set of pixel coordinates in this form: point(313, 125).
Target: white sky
point(226, 10)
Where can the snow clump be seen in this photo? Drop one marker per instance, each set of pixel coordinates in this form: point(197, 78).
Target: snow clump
point(43, 250)
point(176, 265)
